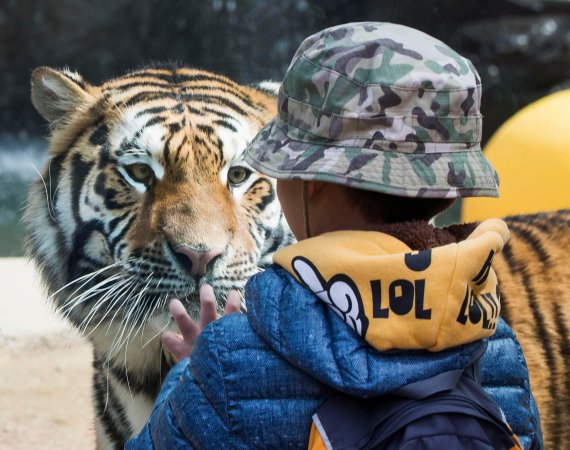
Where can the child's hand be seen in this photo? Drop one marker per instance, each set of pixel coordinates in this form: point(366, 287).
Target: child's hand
point(181, 345)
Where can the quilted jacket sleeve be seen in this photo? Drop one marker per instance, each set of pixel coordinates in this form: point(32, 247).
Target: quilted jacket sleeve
point(504, 376)
point(235, 392)
point(188, 414)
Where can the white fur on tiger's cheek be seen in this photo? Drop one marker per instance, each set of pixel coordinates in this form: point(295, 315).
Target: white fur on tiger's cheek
point(43, 234)
point(64, 211)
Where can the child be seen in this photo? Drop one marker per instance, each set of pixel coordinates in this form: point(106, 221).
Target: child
point(368, 332)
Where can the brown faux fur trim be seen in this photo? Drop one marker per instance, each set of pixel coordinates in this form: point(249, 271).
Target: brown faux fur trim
point(420, 235)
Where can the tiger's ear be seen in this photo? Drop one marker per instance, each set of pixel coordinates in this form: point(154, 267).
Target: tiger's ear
point(56, 94)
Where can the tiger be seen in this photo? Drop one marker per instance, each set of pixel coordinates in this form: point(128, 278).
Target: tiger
point(146, 197)
point(533, 273)
point(534, 290)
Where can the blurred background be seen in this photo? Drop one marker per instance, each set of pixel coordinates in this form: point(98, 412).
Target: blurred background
point(520, 47)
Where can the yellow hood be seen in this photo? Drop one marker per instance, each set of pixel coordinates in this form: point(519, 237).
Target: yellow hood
point(397, 298)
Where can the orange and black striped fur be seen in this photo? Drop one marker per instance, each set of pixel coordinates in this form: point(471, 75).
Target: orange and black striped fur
point(146, 197)
point(534, 283)
point(533, 271)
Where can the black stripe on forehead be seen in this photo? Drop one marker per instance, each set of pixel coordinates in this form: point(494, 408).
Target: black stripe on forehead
point(189, 78)
point(176, 80)
point(216, 112)
point(173, 154)
point(209, 88)
point(130, 142)
point(154, 121)
point(149, 96)
point(215, 99)
point(175, 75)
point(138, 84)
point(225, 96)
point(152, 110)
point(192, 101)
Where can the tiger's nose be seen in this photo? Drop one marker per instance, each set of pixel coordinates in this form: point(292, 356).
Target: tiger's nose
point(196, 261)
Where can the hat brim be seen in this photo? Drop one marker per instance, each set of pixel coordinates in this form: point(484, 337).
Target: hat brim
point(445, 174)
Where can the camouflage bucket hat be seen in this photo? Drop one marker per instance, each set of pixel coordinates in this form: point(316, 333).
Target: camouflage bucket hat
point(381, 107)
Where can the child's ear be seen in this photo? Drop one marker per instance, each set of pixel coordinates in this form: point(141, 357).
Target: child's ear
point(57, 94)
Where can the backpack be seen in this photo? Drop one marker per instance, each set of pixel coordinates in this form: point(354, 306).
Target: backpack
point(450, 411)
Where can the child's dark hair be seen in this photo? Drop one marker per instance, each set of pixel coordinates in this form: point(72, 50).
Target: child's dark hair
point(383, 208)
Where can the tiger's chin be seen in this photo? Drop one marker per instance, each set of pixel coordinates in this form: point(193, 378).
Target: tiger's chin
point(140, 350)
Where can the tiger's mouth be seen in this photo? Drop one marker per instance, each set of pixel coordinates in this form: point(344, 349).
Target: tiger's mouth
point(134, 288)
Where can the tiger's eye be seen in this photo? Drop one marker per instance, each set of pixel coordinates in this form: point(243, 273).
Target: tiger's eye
point(237, 175)
point(140, 173)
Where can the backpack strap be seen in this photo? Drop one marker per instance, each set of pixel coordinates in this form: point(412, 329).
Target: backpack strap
point(442, 382)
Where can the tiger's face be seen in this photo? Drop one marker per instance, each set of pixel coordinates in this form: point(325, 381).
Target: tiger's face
point(146, 196)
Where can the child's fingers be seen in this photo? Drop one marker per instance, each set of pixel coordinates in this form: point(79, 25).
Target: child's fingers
point(175, 345)
point(186, 325)
point(233, 303)
point(207, 305)
point(181, 345)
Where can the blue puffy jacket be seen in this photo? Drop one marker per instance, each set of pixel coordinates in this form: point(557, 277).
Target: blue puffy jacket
point(255, 380)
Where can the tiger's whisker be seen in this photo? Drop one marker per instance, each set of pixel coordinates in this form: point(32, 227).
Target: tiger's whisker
point(134, 303)
point(48, 202)
point(72, 302)
point(114, 295)
point(88, 294)
point(88, 276)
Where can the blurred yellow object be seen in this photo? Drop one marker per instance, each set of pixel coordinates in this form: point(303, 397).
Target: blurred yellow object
point(531, 152)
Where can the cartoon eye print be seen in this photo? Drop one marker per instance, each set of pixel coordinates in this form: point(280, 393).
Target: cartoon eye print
point(340, 293)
